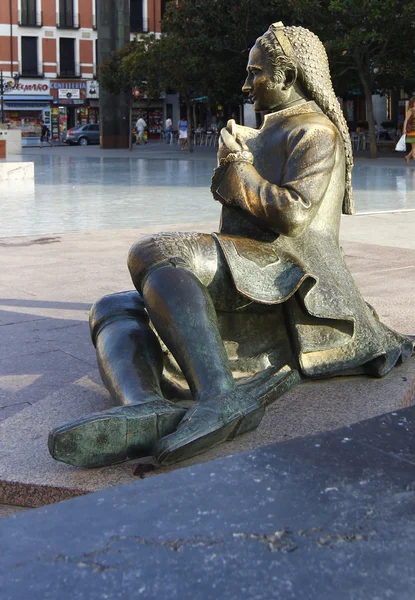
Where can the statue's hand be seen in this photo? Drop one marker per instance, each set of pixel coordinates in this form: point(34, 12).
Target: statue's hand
point(230, 143)
point(231, 150)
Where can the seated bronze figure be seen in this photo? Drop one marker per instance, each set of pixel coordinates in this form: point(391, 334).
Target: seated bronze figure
point(237, 317)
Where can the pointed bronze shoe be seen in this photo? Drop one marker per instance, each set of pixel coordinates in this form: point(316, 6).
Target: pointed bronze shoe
point(207, 424)
point(114, 435)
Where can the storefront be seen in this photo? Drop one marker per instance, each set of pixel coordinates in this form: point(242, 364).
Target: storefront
point(92, 95)
point(26, 105)
point(354, 109)
point(69, 97)
point(151, 111)
point(72, 105)
point(152, 114)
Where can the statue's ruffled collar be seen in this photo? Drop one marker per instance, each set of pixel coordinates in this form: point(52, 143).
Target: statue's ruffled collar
point(297, 109)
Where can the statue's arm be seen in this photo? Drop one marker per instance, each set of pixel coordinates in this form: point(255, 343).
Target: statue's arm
point(290, 207)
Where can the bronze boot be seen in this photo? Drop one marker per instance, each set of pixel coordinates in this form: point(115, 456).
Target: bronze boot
point(114, 435)
point(209, 423)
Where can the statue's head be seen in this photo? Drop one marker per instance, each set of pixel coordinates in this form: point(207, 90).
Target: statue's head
point(289, 63)
point(272, 72)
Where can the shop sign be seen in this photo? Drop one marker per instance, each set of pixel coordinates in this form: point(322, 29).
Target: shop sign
point(27, 86)
point(69, 94)
point(68, 85)
point(70, 102)
point(66, 91)
point(92, 89)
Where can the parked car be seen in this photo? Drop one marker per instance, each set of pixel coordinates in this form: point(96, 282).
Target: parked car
point(83, 135)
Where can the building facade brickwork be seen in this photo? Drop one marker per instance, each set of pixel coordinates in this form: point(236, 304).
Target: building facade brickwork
point(51, 46)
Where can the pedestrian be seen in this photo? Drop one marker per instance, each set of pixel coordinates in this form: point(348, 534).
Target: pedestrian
point(140, 127)
point(409, 129)
point(168, 130)
point(44, 135)
point(182, 132)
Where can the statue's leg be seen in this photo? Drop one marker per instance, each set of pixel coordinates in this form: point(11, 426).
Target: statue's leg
point(129, 356)
point(177, 282)
point(130, 361)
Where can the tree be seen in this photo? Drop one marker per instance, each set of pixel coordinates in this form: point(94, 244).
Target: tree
point(362, 36)
point(203, 51)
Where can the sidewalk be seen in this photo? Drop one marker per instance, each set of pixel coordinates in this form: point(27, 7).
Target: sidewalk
point(48, 371)
point(49, 280)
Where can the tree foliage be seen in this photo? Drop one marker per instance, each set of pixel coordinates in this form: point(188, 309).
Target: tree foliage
point(203, 52)
point(206, 45)
point(369, 41)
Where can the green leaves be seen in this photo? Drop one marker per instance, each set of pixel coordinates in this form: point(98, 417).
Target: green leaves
point(203, 51)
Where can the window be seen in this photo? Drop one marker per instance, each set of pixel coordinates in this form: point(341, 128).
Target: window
point(28, 13)
point(29, 56)
point(66, 17)
point(67, 57)
point(136, 16)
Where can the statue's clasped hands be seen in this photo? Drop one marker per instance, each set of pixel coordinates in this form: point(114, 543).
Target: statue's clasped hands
point(231, 147)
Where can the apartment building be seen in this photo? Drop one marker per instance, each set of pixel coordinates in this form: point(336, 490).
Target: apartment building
point(48, 61)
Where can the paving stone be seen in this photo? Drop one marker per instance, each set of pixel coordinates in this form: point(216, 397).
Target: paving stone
point(30, 477)
point(30, 377)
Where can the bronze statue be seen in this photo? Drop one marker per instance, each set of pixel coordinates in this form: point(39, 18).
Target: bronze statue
point(244, 314)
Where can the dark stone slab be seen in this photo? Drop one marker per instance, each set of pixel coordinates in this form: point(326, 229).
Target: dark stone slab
point(321, 517)
point(393, 433)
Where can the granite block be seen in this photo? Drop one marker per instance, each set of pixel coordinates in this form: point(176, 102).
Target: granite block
point(6, 510)
point(318, 517)
point(11, 171)
point(30, 477)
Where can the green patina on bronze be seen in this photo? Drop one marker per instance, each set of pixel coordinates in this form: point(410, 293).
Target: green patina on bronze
point(234, 319)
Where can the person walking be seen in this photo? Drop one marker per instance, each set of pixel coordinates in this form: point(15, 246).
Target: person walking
point(409, 129)
point(182, 133)
point(168, 130)
point(44, 135)
point(140, 127)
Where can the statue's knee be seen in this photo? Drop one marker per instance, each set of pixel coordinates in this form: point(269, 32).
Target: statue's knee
point(146, 254)
point(139, 259)
point(114, 306)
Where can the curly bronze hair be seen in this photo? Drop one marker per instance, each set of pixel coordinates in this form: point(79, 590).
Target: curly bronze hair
point(301, 50)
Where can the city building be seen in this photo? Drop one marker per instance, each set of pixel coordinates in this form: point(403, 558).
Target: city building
point(48, 62)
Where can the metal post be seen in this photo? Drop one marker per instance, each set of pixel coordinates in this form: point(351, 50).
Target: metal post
point(113, 24)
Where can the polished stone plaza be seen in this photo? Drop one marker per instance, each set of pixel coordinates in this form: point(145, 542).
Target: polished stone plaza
point(86, 189)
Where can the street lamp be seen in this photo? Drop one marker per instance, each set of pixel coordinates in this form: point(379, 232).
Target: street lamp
point(16, 78)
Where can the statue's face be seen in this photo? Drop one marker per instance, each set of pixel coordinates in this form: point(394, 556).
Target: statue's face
point(260, 85)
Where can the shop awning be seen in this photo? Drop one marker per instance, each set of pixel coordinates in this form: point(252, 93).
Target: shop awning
point(26, 101)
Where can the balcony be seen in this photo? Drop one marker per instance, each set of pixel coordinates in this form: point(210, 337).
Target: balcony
point(67, 21)
point(30, 18)
point(72, 71)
